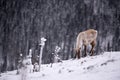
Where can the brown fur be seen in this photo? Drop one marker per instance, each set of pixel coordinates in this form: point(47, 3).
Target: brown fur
point(85, 38)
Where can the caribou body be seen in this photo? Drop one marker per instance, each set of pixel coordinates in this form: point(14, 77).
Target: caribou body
point(85, 38)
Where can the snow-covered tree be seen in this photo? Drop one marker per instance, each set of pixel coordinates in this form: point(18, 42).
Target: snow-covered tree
point(42, 44)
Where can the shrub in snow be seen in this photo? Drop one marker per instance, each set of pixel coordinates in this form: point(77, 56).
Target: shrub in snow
point(19, 64)
point(56, 56)
point(36, 67)
point(28, 64)
point(30, 68)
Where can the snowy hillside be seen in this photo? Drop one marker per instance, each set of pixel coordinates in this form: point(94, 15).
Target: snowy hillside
point(101, 67)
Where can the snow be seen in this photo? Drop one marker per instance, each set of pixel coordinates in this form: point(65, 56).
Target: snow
point(101, 67)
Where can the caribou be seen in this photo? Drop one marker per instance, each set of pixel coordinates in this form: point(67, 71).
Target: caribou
point(83, 39)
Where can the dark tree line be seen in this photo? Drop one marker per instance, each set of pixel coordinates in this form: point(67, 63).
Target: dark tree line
point(24, 22)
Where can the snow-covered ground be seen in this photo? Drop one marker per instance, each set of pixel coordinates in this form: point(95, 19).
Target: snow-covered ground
point(100, 67)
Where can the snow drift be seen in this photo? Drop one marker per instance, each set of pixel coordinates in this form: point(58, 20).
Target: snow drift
point(101, 67)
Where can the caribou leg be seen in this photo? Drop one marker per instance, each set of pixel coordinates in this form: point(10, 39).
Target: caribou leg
point(77, 54)
point(85, 51)
point(92, 49)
